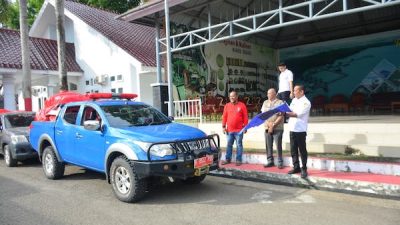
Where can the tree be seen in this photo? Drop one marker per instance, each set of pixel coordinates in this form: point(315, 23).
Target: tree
point(4, 9)
point(26, 65)
point(9, 12)
point(62, 68)
point(118, 6)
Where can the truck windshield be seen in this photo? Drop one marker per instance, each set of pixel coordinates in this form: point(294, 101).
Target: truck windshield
point(133, 115)
point(18, 120)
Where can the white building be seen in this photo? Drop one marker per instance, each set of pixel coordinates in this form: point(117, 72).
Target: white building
point(113, 55)
point(43, 61)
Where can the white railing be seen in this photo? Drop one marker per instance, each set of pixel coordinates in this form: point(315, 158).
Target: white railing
point(188, 110)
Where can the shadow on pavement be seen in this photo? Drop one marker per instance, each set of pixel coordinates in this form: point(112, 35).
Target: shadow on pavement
point(78, 173)
point(217, 191)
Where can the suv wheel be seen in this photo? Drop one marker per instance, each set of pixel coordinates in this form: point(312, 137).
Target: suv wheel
point(126, 185)
point(194, 180)
point(53, 169)
point(10, 162)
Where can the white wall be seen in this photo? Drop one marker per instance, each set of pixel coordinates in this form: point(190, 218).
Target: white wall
point(146, 91)
point(45, 26)
point(97, 55)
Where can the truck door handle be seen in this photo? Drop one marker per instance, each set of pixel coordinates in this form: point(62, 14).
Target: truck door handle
point(78, 135)
point(59, 132)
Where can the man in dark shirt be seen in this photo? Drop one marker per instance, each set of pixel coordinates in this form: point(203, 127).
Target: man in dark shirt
point(233, 120)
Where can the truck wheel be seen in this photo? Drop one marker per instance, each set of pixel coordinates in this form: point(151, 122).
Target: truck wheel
point(126, 184)
point(53, 169)
point(194, 180)
point(10, 162)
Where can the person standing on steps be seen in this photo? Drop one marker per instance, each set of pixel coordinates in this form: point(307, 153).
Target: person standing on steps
point(285, 89)
point(234, 118)
point(273, 129)
point(298, 122)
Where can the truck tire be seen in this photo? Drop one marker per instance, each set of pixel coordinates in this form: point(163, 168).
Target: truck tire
point(126, 184)
point(194, 180)
point(10, 162)
point(53, 169)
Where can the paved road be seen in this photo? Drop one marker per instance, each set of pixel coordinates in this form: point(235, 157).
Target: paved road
point(84, 197)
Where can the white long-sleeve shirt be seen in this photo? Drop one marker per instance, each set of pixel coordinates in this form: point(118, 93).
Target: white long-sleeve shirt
point(301, 106)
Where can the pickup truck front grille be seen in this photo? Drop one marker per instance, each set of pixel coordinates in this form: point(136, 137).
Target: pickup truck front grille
point(193, 146)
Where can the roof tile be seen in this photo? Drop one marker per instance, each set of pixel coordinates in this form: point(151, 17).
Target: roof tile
point(43, 53)
point(137, 40)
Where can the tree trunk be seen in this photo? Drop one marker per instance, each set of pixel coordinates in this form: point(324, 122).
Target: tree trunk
point(25, 52)
point(62, 67)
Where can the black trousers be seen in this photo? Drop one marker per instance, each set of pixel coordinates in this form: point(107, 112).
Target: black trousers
point(284, 96)
point(298, 144)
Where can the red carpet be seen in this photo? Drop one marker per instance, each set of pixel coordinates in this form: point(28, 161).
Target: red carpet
point(368, 177)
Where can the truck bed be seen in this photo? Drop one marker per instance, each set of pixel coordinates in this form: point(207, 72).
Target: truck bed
point(38, 129)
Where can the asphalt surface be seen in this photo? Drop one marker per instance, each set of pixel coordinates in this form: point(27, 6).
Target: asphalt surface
point(84, 197)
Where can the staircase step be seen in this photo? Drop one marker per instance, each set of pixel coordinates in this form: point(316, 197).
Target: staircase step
point(371, 150)
point(327, 164)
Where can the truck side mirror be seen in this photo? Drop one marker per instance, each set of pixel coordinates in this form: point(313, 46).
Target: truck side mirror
point(91, 125)
point(103, 128)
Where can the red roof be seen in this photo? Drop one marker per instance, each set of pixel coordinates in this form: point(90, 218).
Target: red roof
point(137, 40)
point(43, 53)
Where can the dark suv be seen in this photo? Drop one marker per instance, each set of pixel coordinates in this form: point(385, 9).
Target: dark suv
point(14, 137)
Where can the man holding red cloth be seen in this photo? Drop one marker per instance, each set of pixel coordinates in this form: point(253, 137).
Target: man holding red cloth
point(233, 120)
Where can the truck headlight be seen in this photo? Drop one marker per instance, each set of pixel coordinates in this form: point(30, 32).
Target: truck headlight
point(18, 138)
point(160, 150)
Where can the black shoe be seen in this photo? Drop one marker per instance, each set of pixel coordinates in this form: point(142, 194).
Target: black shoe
point(304, 173)
point(226, 162)
point(295, 170)
point(280, 166)
point(271, 164)
point(238, 163)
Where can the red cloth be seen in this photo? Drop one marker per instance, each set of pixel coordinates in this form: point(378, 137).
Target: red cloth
point(235, 116)
point(53, 103)
point(4, 111)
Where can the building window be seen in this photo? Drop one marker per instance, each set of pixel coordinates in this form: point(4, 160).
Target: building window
point(113, 90)
point(87, 82)
point(96, 91)
point(120, 90)
point(112, 78)
point(91, 82)
point(73, 87)
point(119, 77)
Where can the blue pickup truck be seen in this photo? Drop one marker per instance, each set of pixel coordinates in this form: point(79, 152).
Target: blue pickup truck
point(131, 142)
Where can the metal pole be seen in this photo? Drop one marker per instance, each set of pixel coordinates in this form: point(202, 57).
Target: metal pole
point(169, 60)
point(280, 12)
point(209, 22)
point(158, 59)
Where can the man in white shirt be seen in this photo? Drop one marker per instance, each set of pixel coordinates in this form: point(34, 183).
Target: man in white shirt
point(285, 90)
point(298, 122)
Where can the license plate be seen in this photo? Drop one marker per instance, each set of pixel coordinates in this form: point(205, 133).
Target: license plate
point(201, 171)
point(203, 161)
